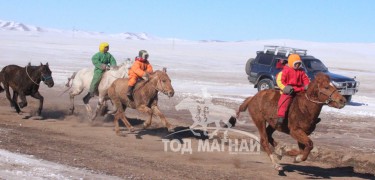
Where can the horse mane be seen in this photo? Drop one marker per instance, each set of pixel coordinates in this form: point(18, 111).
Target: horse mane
point(320, 79)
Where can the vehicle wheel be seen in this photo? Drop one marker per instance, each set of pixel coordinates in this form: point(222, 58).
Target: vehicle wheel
point(348, 98)
point(265, 84)
point(248, 66)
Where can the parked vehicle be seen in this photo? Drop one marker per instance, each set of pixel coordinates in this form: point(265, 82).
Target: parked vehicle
point(262, 69)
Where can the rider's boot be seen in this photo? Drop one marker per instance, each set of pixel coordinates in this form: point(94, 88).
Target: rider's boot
point(279, 122)
point(87, 97)
point(129, 93)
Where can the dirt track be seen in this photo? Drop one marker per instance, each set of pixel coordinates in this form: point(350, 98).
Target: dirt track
point(72, 141)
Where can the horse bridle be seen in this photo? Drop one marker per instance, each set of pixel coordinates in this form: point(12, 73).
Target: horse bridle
point(161, 86)
point(321, 92)
point(44, 78)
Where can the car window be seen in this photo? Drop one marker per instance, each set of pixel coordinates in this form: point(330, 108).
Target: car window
point(314, 65)
point(265, 59)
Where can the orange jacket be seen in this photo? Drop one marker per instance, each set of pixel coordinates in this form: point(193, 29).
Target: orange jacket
point(139, 67)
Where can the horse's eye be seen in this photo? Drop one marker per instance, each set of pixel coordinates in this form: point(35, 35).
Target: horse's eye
point(327, 87)
point(164, 81)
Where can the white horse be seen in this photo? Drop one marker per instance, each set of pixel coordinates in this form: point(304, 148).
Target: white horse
point(81, 80)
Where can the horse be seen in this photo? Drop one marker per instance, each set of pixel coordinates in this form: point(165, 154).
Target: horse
point(145, 98)
point(301, 120)
point(25, 81)
point(82, 79)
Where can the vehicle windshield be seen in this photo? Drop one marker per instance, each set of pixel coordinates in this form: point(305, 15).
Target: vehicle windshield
point(313, 65)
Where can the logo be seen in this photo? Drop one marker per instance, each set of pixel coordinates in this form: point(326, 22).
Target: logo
point(212, 127)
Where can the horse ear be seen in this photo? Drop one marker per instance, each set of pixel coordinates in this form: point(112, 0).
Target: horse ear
point(29, 64)
point(41, 64)
point(164, 69)
point(47, 64)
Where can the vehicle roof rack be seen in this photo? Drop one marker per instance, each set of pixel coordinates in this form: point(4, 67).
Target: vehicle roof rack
point(284, 49)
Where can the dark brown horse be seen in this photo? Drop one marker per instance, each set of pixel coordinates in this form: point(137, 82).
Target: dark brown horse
point(25, 81)
point(145, 98)
point(301, 119)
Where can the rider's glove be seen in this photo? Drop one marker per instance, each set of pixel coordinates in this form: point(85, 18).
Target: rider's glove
point(288, 90)
point(145, 76)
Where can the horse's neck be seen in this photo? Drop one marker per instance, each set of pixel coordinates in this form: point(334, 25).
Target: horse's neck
point(313, 109)
point(148, 88)
point(33, 73)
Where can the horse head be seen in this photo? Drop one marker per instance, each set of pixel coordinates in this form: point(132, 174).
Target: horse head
point(324, 92)
point(164, 83)
point(46, 75)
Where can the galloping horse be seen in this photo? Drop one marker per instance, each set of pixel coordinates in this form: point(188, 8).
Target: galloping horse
point(301, 119)
point(25, 81)
point(145, 98)
point(82, 79)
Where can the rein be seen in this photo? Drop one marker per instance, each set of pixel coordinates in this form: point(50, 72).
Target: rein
point(320, 92)
point(44, 78)
point(30, 77)
point(156, 87)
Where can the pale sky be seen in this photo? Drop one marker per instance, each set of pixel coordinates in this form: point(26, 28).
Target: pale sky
point(227, 20)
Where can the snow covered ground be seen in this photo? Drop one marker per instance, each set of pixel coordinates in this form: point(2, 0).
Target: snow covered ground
point(18, 166)
point(218, 67)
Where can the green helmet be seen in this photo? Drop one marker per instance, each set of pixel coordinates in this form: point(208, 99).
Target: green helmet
point(143, 54)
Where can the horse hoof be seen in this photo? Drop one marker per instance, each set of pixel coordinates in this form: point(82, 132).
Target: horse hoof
point(278, 167)
point(298, 159)
point(132, 129)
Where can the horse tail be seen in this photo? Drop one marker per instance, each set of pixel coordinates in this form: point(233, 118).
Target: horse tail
point(243, 106)
point(233, 120)
point(69, 83)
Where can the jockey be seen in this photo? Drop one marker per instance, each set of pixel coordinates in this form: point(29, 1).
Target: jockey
point(291, 79)
point(140, 69)
point(101, 61)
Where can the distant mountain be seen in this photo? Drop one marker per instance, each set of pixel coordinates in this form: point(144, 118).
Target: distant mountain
point(134, 36)
point(16, 26)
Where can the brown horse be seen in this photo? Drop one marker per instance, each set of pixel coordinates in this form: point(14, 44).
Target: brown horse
point(302, 116)
point(25, 81)
point(145, 98)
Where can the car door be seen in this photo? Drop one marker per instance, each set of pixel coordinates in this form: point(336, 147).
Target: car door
point(263, 66)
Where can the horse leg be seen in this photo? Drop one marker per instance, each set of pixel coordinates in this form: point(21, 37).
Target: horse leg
point(99, 107)
point(41, 99)
point(12, 103)
point(126, 122)
point(15, 97)
point(305, 141)
point(71, 95)
point(164, 120)
point(117, 126)
point(261, 125)
point(148, 122)
point(270, 131)
point(23, 102)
